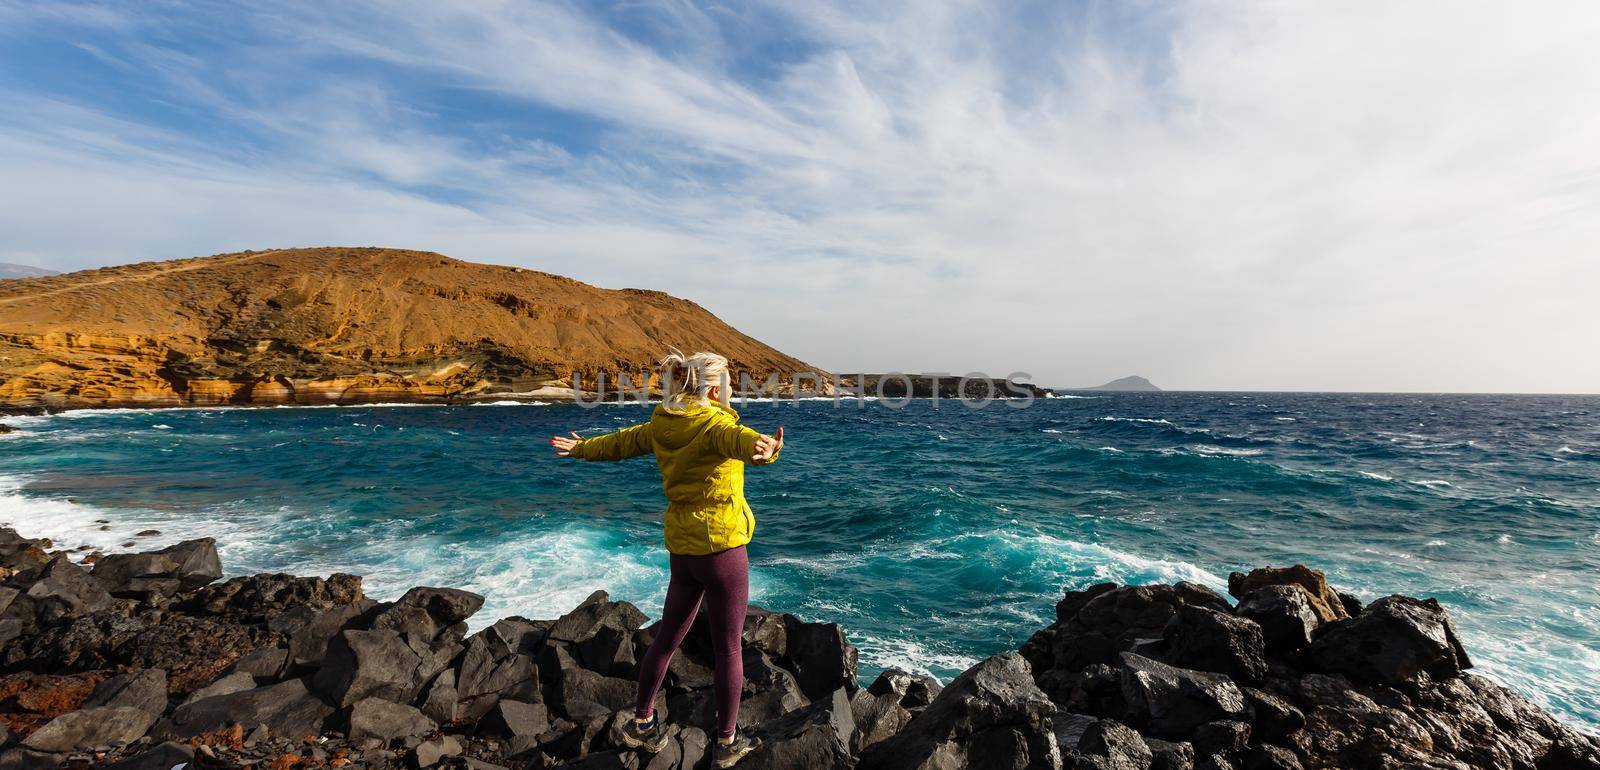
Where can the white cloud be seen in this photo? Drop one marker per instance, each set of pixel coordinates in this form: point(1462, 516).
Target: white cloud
point(1263, 195)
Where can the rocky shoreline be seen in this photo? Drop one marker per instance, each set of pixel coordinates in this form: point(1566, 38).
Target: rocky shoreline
point(149, 661)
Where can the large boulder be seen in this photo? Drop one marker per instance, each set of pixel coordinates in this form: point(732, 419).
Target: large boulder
point(378, 718)
point(18, 553)
point(182, 567)
point(1393, 640)
point(63, 591)
point(307, 629)
point(237, 681)
point(820, 657)
point(817, 736)
point(909, 690)
point(1097, 624)
point(876, 717)
point(991, 716)
point(1208, 640)
point(1287, 619)
point(1324, 599)
point(498, 662)
point(770, 690)
point(1169, 702)
point(428, 613)
point(519, 724)
point(197, 562)
point(595, 613)
point(1110, 745)
point(92, 728)
point(144, 689)
point(382, 664)
point(287, 708)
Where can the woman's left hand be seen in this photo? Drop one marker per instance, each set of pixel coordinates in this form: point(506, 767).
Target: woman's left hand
point(564, 444)
point(767, 447)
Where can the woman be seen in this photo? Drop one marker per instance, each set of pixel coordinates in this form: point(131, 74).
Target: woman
point(701, 450)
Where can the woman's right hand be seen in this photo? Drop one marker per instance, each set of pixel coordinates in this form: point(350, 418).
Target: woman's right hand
point(564, 444)
point(767, 447)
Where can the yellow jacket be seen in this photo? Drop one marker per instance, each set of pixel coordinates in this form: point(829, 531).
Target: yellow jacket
point(700, 449)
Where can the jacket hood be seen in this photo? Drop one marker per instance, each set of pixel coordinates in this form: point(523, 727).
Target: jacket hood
point(674, 428)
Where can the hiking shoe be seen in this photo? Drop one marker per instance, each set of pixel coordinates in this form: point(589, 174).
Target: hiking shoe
point(729, 754)
point(651, 737)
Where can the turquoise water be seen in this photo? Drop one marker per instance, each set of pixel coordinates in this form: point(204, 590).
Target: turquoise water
point(937, 536)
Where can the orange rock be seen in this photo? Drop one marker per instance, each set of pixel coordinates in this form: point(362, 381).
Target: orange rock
point(286, 762)
point(1324, 600)
point(49, 695)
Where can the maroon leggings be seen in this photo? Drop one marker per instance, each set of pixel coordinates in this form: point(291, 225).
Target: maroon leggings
point(723, 580)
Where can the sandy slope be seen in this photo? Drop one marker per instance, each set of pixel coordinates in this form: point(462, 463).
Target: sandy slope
point(333, 325)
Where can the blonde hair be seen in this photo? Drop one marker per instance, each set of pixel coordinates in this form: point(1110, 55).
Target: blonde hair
point(691, 378)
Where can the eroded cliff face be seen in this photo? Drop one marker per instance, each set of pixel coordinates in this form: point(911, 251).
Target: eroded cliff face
point(335, 325)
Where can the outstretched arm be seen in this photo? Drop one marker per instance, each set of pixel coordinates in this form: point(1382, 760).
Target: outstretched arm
point(625, 443)
point(737, 442)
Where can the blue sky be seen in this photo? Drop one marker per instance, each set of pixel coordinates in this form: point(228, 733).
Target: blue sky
point(1359, 196)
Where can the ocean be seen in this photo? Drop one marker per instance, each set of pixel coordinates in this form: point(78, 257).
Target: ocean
point(934, 534)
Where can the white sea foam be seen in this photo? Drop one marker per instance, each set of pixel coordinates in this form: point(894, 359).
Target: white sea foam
point(1145, 420)
point(909, 655)
point(1378, 476)
point(543, 574)
point(511, 403)
point(1217, 451)
point(1051, 430)
point(1431, 482)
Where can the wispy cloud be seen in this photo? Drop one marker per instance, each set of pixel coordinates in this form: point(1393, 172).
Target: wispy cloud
point(1213, 195)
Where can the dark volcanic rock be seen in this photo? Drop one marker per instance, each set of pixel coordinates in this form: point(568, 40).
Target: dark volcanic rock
point(428, 613)
point(817, 736)
point(145, 690)
point(876, 717)
point(307, 630)
point(182, 567)
point(1393, 640)
point(1205, 639)
point(259, 598)
point(377, 718)
point(1110, 745)
point(1104, 622)
point(288, 709)
point(165, 756)
point(1170, 702)
point(1287, 619)
point(91, 728)
point(991, 716)
point(363, 664)
point(63, 591)
point(909, 690)
point(820, 657)
point(278, 671)
point(1170, 755)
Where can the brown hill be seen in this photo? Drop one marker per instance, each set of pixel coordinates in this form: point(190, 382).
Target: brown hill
point(334, 325)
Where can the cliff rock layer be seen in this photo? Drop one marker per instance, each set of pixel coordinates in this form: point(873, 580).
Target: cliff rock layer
point(334, 325)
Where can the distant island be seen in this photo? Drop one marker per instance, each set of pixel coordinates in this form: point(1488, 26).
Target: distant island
point(9, 270)
point(1132, 383)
